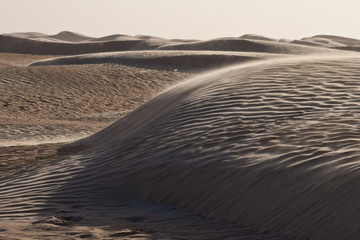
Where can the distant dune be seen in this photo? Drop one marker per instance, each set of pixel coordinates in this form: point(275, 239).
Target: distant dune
point(115, 37)
point(69, 43)
point(350, 42)
point(237, 44)
point(180, 60)
point(256, 37)
point(70, 37)
point(25, 45)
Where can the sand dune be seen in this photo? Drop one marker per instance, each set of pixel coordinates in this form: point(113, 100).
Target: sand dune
point(24, 45)
point(330, 41)
point(147, 37)
point(237, 44)
point(179, 60)
point(15, 59)
point(69, 43)
point(266, 149)
point(319, 41)
point(70, 37)
point(114, 37)
point(43, 104)
point(26, 35)
point(350, 42)
point(272, 144)
point(258, 145)
point(256, 37)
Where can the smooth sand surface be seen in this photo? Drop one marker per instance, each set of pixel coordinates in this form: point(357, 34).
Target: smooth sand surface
point(132, 145)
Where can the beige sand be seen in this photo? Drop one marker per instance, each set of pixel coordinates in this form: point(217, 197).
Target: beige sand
point(261, 150)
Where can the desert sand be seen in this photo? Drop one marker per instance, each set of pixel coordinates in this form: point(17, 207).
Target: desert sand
point(141, 137)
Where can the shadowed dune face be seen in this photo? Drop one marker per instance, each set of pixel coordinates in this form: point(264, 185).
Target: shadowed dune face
point(274, 145)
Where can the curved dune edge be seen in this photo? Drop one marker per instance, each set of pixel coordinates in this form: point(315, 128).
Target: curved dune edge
point(268, 145)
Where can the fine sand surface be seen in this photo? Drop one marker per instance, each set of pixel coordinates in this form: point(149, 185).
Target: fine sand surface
point(132, 145)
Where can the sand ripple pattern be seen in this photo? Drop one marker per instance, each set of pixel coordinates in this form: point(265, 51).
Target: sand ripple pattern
point(273, 145)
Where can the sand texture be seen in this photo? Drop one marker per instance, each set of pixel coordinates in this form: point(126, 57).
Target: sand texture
point(135, 145)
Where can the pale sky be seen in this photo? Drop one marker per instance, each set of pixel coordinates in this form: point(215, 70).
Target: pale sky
point(201, 19)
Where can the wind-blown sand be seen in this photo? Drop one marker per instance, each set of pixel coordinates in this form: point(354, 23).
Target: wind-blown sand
point(265, 149)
